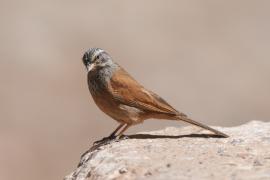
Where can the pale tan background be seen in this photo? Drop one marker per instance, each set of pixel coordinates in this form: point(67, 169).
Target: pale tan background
point(209, 59)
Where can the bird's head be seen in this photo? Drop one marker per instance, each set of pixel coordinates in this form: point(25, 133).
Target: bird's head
point(96, 58)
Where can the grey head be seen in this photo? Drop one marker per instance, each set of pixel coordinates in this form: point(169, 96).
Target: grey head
point(100, 68)
point(96, 59)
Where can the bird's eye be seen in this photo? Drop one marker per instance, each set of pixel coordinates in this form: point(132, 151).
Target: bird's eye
point(97, 57)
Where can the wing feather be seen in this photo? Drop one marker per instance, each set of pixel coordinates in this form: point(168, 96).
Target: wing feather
point(129, 92)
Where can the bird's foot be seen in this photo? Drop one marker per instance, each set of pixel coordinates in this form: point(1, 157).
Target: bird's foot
point(111, 138)
point(105, 140)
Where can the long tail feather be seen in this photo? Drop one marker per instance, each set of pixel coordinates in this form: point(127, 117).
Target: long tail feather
point(186, 119)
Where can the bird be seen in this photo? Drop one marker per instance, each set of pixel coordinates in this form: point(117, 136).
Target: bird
point(124, 99)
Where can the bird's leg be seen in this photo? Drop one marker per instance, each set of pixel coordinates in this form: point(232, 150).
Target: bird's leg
point(116, 130)
point(122, 131)
point(112, 135)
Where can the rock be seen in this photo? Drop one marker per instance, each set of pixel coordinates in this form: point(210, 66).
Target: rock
point(175, 153)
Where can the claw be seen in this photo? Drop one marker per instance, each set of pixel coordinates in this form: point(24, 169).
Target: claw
point(104, 140)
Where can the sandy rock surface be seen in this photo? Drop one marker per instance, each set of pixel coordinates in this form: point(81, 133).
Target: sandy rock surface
point(182, 153)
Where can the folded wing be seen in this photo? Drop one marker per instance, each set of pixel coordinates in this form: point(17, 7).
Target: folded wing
point(128, 91)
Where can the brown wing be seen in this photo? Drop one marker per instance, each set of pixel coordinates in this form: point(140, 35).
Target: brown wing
point(129, 92)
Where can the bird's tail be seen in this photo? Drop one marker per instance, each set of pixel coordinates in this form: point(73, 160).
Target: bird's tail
point(186, 119)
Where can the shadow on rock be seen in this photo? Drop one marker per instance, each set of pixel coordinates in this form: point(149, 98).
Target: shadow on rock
point(104, 142)
point(152, 136)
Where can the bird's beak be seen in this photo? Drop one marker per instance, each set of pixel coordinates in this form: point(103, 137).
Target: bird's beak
point(90, 67)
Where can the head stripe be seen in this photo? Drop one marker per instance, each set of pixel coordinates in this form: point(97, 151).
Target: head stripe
point(96, 53)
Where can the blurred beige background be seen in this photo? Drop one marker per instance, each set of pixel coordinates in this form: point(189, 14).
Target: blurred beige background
point(209, 59)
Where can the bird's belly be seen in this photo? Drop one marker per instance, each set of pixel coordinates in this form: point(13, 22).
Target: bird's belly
point(120, 112)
